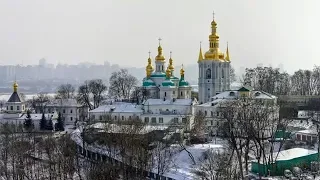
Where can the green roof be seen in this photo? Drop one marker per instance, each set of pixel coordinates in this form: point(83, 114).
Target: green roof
point(182, 82)
point(245, 88)
point(148, 82)
point(158, 75)
point(168, 82)
point(173, 77)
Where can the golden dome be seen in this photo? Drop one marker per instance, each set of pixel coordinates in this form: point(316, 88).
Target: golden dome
point(182, 71)
point(168, 73)
point(171, 67)
point(15, 86)
point(149, 67)
point(160, 57)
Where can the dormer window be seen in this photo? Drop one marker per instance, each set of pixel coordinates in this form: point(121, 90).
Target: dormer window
point(257, 94)
point(231, 93)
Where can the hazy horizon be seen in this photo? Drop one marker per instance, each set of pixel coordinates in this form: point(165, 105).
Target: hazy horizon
point(122, 32)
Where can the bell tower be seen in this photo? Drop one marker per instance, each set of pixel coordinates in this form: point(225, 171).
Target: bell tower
point(214, 68)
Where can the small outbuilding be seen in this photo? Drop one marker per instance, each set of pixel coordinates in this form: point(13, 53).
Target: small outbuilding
point(286, 159)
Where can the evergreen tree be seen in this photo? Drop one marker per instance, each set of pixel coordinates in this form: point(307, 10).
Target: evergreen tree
point(50, 125)
point(60, 124)
point(43, 122)
point(28, 123)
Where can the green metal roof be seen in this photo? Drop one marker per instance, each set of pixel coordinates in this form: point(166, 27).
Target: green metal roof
point(158, 75)
point(168, 82)
point(148, 82)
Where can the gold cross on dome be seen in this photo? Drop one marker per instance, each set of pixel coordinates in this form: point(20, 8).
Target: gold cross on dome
point(159, 41)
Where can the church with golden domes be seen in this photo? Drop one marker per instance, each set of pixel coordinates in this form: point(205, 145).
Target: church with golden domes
point(161, 82)
point(214, 68)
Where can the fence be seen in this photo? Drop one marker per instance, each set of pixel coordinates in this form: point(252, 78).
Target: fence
point(104, 158)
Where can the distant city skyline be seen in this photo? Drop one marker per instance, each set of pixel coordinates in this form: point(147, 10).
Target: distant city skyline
point(122, 32)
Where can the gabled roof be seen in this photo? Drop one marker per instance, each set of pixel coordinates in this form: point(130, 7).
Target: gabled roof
point(245, 88)
point(14, 97)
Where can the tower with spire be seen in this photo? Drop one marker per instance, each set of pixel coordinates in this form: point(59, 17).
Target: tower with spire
point(214, 68)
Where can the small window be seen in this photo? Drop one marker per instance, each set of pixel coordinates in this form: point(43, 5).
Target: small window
point(11, 108)
point(71, 111)
point(122, 117)
point(115, 117)
point(64, 111)
point(211, 113)
point(18, 108)
point(211, 123)
point(100, 117)
point(7, 107)
point(160, 120)
point(231, 94)
point(205, 113)
point(165, 94)
point(72, 118)
point(129, 117)
point(175, 120)
point(153, 120)
point(181, 93)
point(146, 119)
point(174, 92)
point(184, 120)
point(217, 113)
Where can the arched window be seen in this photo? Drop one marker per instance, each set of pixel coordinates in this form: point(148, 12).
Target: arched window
point(165, 94)
point(208, 73)
point(162, 67)
point(222, 72)
point(181, 93)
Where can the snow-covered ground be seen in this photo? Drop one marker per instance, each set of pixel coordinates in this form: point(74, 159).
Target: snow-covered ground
point(182, 164)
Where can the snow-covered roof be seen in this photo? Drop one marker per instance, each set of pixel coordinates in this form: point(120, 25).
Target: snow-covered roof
point(33, 116)
point(119, 107)
point(308, 131)
point(293, 153)
point(114, 128)
point(181, 102)
point(236, 94)
point(64, 102)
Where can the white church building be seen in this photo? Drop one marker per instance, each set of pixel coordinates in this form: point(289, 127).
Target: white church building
point(170, 99)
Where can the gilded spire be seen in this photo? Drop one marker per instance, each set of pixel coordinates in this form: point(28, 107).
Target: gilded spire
point(15, 86)
point(227, 53)
point(160, 57)
point(149, 68)
point(200, 54)
point(171, 67)
point(168, 73)
point(214, 51)
point(182, 72)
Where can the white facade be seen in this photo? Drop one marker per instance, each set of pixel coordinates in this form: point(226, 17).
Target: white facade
point(152, 111)
point(212, 109)
point(70, 110)
point(214, 77)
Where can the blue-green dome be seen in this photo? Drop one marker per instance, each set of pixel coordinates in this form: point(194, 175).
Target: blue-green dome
point(173, 77)
point(148, 82)
point(158, 74)
point(182, 82)
point(168, 82)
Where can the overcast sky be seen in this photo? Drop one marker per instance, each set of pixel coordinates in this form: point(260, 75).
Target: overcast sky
point(123, 31)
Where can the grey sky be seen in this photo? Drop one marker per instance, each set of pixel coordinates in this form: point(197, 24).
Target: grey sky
point(123, 31)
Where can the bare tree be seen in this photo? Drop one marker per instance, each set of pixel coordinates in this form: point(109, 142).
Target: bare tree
point(216, 164)
point(91, 91)
point(65, 91)
point(122, 84)
point(40, 102)
point(139, 94)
